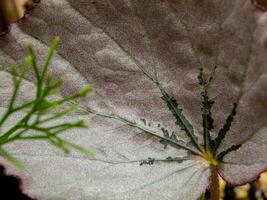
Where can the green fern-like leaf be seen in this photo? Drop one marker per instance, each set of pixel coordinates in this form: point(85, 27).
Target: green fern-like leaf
point(38, 111)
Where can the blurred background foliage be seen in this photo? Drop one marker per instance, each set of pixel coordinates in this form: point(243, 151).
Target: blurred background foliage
point(13, 10)
point(262, 3)
point(256, 190)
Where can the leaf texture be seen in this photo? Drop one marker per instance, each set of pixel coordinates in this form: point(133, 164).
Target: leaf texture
point(124, 50)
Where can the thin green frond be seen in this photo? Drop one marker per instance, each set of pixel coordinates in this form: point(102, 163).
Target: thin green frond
point(34, 63)
point(51, 52)
point(79, 148)
point(8, 157)
point(41, 110)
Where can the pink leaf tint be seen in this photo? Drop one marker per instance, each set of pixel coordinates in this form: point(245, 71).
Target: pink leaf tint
point(112, 45)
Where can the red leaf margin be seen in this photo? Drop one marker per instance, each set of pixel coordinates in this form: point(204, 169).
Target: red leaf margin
point(258, 6)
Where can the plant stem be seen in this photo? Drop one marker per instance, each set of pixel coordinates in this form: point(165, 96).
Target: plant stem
point(214, 183)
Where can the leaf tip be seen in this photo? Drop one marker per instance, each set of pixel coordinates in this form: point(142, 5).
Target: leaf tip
point(85, 91)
